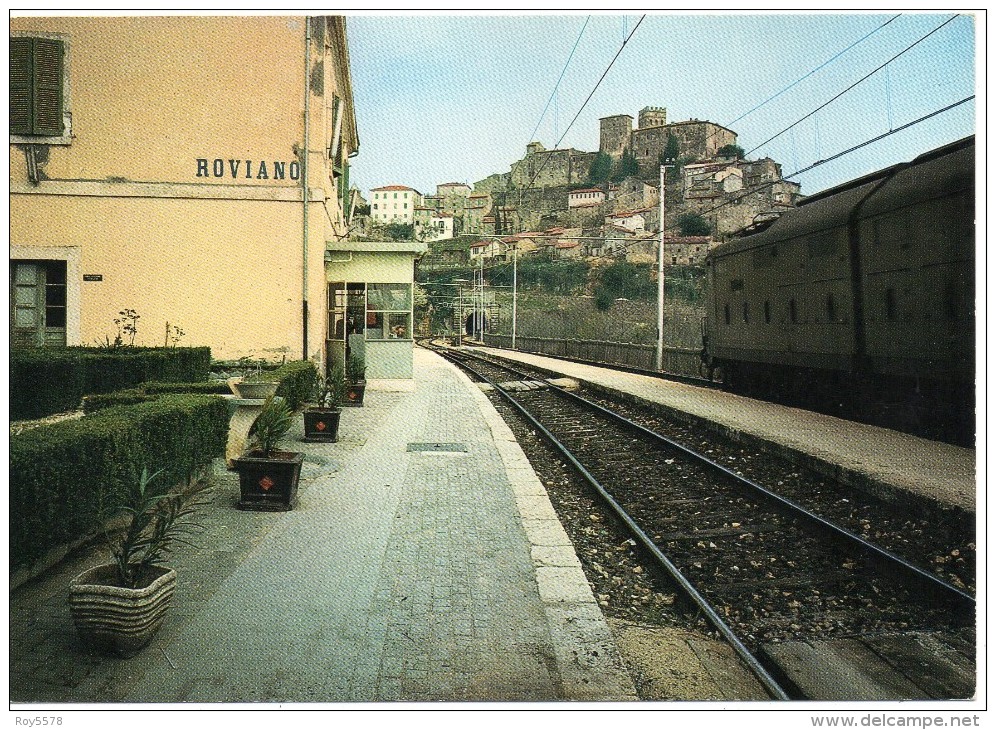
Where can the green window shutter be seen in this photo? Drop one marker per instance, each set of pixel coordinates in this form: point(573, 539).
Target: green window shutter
point(20, 85)
point(48, 87)
point(36, 74)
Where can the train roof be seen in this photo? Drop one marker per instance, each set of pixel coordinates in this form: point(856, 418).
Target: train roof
point(947, 168)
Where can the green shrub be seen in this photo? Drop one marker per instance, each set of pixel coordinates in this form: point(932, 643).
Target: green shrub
point(100, 401)
point(148, 391)
point(297, 382)
point(64, 476)
point(126, 367)
point(211, 387)
point(45, 381)
point(49, 380)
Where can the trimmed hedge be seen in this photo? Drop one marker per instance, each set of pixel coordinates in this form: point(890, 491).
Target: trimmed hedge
point(45, 381)
point(297, 382)
point(65, 476)
point(51, 380)
point(149, 391)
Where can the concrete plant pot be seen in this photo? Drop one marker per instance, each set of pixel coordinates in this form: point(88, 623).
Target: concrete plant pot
point(259, 391)
point(119, 620)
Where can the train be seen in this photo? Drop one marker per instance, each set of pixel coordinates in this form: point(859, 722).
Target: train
point(859, 302)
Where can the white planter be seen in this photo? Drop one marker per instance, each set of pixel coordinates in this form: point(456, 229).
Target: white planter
point(115, 619)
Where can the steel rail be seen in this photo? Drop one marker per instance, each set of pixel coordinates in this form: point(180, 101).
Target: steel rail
point(965, 600)
point(772, 686)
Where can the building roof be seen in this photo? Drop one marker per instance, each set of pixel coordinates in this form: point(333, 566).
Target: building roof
point(587, 190)
point(567, 244)
point(396, 187)
point(453, 185)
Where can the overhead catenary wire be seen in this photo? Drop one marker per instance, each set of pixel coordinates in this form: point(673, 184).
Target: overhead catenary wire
point(856, 83)
point(815, 70)
point(561, 78)
point(598, 83)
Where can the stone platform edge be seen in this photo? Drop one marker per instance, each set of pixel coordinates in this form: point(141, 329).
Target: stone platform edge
point(588, 661)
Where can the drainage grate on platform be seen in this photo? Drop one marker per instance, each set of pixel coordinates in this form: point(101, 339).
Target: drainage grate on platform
point(437, 447)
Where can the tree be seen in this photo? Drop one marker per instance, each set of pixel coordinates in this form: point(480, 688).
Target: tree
point(628, 167)
point(399, 231)
point(601, 168)
point(623, 279)
point(731, 150)
point(671, 151)
point(692, 224)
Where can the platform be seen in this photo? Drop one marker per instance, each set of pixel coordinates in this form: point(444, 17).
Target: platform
point(423, 563)
point(887, 463)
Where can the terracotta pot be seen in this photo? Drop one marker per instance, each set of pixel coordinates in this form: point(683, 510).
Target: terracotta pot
point(321, 424)
point(268, 483)
point(115, 619)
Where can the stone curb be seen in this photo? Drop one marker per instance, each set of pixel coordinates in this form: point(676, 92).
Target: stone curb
point(590, 666)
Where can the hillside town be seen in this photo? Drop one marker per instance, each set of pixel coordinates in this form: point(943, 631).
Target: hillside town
point(572, 204)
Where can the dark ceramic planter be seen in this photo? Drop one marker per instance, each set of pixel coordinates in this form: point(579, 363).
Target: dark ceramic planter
point(321, 425)
point(269, 483)
point(354, 393)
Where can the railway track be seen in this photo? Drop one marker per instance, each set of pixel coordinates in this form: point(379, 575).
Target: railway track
point(761, 568)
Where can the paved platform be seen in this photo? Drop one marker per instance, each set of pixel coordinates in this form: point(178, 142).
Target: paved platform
point(403, 574)
point(888, 463)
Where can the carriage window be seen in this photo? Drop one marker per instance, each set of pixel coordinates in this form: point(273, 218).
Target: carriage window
point(831, 309)
point(793, 312)
point(767, 312)
point(746, 313)
point(726, 312)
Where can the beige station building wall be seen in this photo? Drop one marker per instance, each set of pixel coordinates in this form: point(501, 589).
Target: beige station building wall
point(178, 188)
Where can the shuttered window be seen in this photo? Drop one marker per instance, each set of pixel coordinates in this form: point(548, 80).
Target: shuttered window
point(36, 80)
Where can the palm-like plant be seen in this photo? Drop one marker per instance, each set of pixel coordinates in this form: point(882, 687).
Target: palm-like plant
point(272, 425)
point(158, 520)
point(331, 389)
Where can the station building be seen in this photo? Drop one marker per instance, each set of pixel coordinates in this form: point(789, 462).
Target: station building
point(192, 169)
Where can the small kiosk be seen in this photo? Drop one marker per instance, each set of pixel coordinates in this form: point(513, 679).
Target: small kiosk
point(370, 304)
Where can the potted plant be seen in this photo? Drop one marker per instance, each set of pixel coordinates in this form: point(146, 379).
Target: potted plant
point(356, 375)
point(253, 384)
point(321, 421)
point(119, 606)
point(268, 478)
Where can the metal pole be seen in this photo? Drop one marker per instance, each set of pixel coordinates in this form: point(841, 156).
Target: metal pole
point(660, 271)
point(304, 192)
point(460, 318)
point(515, 288)
point(660, 282)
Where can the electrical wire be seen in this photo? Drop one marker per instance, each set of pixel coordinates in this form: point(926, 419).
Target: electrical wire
point(557, 85)
point(818, 68)
point(605, 73)
point(859, 81)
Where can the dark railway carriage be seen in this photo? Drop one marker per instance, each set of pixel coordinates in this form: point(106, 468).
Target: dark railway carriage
point(861, 301)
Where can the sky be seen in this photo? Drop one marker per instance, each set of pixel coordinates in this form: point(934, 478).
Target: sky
point(454, 98)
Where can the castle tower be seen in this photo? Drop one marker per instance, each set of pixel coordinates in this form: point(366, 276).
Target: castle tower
point(614, 134)
point(652, 116)
point(534, 147)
